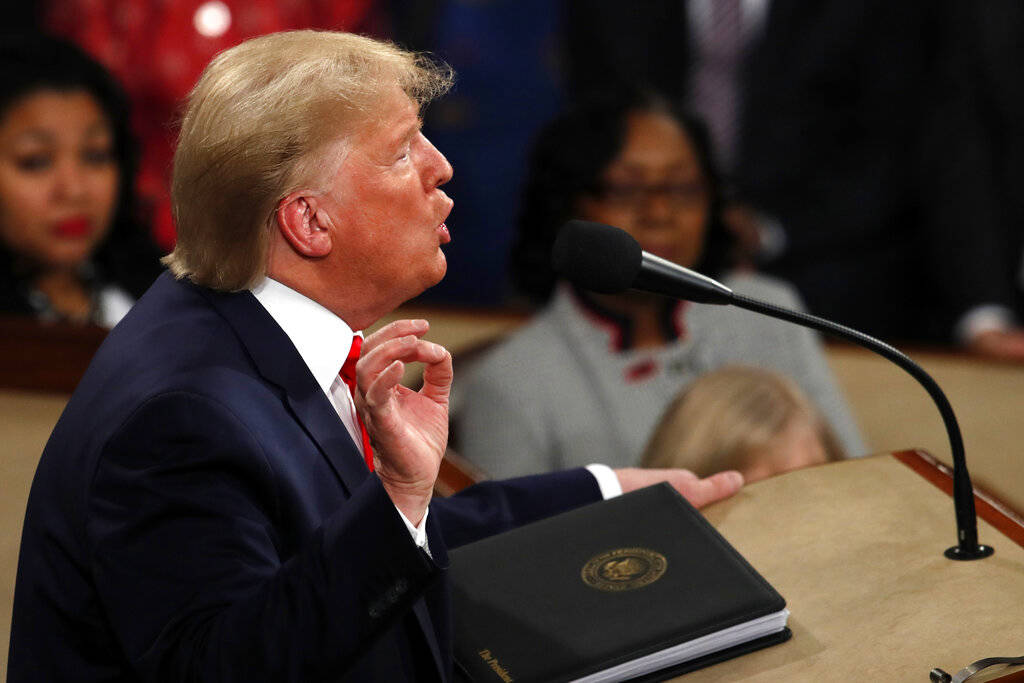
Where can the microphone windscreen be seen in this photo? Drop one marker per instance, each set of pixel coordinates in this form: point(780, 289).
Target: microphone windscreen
point(596, 257)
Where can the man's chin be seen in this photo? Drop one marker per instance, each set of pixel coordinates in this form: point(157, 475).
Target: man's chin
point(433, 277)
point(441, 269)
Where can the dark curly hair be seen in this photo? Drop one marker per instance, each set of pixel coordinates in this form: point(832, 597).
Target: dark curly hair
point(127, 256)
point(568, 158)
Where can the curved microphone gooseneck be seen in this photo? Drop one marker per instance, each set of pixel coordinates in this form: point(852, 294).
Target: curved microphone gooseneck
point(608, 260)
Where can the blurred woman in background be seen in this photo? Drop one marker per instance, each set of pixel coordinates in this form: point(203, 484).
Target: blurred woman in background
point(588, 378)
point(71, 245)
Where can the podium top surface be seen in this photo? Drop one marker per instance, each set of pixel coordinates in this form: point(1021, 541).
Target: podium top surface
point(856, 549)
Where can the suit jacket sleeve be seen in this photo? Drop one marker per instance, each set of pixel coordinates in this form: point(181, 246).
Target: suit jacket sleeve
point(495, 506)
point(200, 582)
point(968, 245)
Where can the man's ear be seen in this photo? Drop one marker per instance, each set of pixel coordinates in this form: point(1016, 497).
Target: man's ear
point(303, 226)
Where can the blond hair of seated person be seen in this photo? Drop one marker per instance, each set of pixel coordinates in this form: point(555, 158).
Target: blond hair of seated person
point(749, 419)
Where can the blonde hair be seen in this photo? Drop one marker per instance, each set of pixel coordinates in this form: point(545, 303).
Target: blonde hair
point(256, 124)
point(728, 414)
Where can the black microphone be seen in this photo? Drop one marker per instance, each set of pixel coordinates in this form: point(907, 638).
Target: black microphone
point(608, 260)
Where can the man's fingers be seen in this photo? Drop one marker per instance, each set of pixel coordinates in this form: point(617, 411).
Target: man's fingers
point(437, 377)
point(379, 390)
point(701, 492)
point(393, 330)
point(408, 348)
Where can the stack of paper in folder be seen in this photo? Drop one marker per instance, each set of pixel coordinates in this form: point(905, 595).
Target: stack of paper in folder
point(638, 586)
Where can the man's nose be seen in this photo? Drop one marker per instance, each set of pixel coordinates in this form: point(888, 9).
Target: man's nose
point(441, 169)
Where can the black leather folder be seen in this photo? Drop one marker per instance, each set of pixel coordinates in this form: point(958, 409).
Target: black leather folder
point(638, 587)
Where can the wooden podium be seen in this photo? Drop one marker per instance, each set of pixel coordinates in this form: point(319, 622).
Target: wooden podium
point(856, 548)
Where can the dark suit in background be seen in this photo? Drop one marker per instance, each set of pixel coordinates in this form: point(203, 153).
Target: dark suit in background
point(835, 142)
point(974, 164)
point(201, 513)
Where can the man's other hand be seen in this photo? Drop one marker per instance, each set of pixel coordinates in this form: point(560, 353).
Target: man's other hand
point(408, 429)
point(699, 492)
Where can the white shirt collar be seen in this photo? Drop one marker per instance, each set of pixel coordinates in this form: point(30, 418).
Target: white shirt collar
point(321, 338)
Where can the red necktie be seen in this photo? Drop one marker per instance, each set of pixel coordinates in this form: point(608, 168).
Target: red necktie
point(348, 376)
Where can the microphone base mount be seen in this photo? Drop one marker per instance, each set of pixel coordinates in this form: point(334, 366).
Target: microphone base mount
point(964, 552)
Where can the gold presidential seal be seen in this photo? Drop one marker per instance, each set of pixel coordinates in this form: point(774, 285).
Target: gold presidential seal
point(624, 569)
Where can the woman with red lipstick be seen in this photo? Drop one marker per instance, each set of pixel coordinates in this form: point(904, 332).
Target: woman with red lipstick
point(589, 377)
point(71, 247)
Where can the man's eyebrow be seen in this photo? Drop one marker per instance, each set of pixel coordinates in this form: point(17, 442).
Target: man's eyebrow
point(411, 131)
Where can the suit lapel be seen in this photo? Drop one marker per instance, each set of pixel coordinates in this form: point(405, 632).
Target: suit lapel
point(317, 416)
point(277, 361)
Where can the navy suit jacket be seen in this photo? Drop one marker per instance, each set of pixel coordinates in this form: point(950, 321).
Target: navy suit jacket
point(201, 513)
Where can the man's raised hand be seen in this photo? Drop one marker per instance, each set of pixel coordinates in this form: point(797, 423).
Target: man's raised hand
point(408, 429)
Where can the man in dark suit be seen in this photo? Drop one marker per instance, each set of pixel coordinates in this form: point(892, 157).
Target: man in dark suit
point(216, 502)
point(832, 106)
point(973, 171)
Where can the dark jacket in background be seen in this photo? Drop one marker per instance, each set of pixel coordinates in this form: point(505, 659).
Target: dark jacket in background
point(837, 141)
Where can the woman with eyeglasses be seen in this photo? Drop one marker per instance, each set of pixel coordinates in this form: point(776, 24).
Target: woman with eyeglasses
point(587, 379)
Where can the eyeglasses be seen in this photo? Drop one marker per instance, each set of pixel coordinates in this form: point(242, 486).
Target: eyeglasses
point(636, 195)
